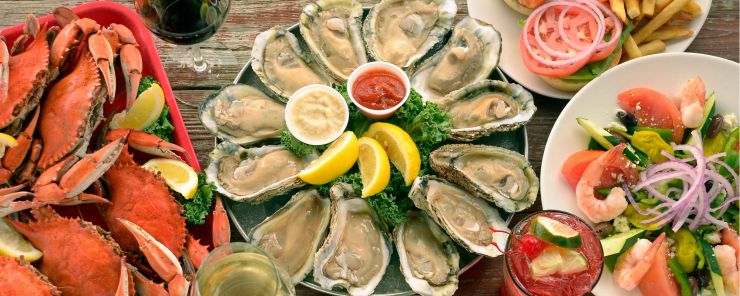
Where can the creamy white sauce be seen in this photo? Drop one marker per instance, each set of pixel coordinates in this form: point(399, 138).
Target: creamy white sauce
point(317, 116)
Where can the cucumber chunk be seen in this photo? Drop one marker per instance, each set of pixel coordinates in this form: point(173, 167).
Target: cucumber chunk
point(599, 134)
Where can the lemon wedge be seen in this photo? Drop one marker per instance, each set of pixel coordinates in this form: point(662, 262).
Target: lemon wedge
point(179, 176)
point(375, 170)
point(144, 112)
point(400, 147)
point(6, 141)
point(13, 244)
point(334, 162)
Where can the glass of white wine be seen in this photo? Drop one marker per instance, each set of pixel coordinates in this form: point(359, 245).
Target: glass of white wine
point(241, 269)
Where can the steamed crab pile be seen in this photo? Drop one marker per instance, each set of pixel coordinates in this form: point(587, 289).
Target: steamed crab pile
point(54, 82)
point(449, 66)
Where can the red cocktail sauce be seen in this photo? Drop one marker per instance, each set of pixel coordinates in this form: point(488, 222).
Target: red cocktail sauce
point(378, 89)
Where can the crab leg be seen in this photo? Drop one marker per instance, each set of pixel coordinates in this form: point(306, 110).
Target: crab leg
point(74, 31)
point(14, 156)
point(221, 229)
point(124, 45)
point(9, 206)
point(147, 143)
point(162, 260)
point(123, 280)
point(144, 286)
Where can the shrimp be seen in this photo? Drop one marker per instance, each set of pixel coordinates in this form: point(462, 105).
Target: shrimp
point(730, 238)
point(692, 98)
point(728, 266)
point(634, 264)
point(598, 210)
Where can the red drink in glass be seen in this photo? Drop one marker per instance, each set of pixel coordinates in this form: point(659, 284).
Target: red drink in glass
point(518, 278)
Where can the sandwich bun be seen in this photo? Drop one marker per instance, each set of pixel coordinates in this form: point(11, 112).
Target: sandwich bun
point(515, 5)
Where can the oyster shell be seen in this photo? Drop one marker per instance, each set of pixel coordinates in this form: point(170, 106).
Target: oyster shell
point(281, 64)
point(402, 31)
point(499, 175)
point(470, 55)
point(462, 215)
point(485, 107)
point(333, 31)
point(293, 233)
point(429, 260)
point(242, 114)
point(255, 174)
point(356, 253)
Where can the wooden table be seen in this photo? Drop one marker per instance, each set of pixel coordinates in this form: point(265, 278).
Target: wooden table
point(718, 37)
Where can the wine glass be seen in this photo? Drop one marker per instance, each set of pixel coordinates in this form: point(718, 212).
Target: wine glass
point(188, 23)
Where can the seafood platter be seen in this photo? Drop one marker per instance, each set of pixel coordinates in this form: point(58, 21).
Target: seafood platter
point(90, 202)
point(374, 150)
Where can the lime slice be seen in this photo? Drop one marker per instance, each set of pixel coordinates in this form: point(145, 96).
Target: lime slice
point(146, 109)
point(555, 232)
point(547, 263)
point(179, 176)
point(13, 244)
point(572, 262)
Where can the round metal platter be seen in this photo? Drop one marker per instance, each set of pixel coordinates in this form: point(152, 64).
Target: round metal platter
point(244, 216)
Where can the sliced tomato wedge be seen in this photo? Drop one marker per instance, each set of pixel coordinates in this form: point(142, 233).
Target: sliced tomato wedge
point(659, 280)
point(574, 166)
point(652, 109)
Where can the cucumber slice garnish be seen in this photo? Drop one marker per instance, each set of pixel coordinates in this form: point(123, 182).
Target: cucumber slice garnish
point(618, 243)
point(555, 232)
point(600, 135)
point(554, 260)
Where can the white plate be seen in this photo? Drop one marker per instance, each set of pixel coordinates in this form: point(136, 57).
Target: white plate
point(506, 21)
point(598, 102)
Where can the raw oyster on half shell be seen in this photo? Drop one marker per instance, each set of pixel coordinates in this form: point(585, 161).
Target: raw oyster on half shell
point(281, 64)
point(293, 233)
point(470, 55)
point(242, 114)
point(486, 107)
point(333, 31)
point(401, 32)
point(429, 259)
point(462, 215)
point(255, 174)
point(356, 252)
point(499, 175)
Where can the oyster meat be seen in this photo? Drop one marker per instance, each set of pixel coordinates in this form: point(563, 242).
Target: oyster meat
point(402, 31)
point(485, 107)
point(429, 260)
point(242, 114)
point(281, 64)
point(293, 233)
point(333, 31)
point(499, 175)
point(462, 215)
point(470, 55)
point(356, 253)
point(255, 174)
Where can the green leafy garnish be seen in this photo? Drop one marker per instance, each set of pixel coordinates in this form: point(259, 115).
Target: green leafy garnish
point(197, 208)
point(162, 127)
point(593, 70)
point(295, 146)
point(145, 84)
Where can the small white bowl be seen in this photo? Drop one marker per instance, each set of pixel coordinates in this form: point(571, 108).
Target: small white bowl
point(372, 113)
point(334, 95)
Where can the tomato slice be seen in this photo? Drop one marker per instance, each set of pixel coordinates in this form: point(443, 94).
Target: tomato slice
point(574, 166)
point(659, 280)
point(652, 109)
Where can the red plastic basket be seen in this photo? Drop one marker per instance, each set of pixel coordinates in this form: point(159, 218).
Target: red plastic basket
point(106, 13)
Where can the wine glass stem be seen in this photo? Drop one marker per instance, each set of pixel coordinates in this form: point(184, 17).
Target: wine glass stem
point(199, 63)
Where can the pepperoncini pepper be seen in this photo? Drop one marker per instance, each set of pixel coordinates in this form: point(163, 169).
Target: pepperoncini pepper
point(652, 144)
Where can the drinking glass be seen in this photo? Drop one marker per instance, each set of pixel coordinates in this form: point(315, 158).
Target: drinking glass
point(241, 269)
point(188, 23)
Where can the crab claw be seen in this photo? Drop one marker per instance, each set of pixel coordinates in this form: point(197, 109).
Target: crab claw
point(221, 229)
point(147, 143)
point(123, 283)
point(15, 156)
point(161, 259)
point(64, 15)
point(103, 55)
point(8, 205)
point(131, 66)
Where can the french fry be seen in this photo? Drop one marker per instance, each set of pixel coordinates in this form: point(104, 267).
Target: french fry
point(652, 47)
point(648, 8)
point(630, 46)
point(660, 4)
point(693, 8)
point(659, 20)
point(669, 32)
point(683, 17)
point(618, 9)
point(633, 8)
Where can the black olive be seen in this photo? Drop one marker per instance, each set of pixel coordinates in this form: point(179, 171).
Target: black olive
point(621, 138)
point(603, 229)
point(703, 278)
point(708, 184)
point(627, 118)
point(715, 126)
